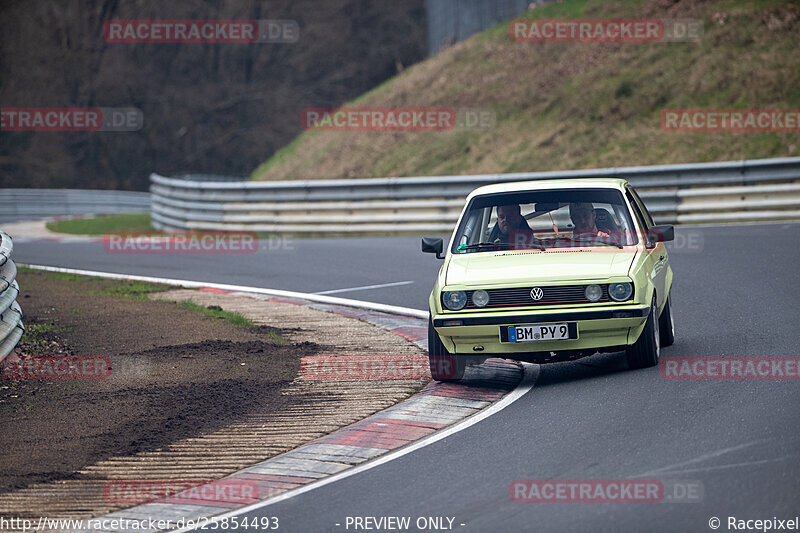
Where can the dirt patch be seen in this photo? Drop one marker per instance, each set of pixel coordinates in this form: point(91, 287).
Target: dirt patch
point(157, 427)
point(175, 374)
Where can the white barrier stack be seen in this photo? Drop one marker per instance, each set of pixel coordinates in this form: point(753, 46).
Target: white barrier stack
point(11, 328)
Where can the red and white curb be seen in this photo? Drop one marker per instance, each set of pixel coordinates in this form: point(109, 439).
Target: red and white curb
point(439, 410)
point(436, 412)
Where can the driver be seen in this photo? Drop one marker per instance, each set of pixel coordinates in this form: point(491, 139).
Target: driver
point(509, 218)
point(583, 217)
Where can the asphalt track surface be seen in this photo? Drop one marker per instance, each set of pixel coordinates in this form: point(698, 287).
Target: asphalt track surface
point(736, 293)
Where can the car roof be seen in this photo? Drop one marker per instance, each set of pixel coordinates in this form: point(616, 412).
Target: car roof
point(563, 183)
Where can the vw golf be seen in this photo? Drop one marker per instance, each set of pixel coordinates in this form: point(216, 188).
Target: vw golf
point(547, 271)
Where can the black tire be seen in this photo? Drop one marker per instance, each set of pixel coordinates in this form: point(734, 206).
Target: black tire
point(444, 366)
point(647, 348)
point(666, 325)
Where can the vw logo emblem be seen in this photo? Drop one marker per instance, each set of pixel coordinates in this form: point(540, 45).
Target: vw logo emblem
point(537, 293)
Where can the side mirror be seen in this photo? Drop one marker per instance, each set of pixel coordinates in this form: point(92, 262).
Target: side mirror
point(433, 245)
point(661, 233)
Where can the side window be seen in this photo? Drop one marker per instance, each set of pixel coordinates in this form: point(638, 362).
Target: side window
point(647, 216)
point(640, 219)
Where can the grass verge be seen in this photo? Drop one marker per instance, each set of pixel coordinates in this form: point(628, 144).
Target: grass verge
point(217, 312)
point(133, 290)
point(102, 224)
point(139, 290)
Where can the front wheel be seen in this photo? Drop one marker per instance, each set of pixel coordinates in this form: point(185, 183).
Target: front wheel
point(647, 348)
point(444, 366)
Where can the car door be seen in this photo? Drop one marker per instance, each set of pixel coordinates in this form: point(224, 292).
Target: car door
point(656, 261)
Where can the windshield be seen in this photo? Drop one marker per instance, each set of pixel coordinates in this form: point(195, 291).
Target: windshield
point(545, 219)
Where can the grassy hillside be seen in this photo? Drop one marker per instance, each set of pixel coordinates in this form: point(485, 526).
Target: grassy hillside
point(576, 105)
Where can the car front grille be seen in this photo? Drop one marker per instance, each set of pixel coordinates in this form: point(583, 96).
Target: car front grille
point(553, 295)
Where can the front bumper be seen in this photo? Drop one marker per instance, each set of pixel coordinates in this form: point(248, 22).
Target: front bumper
point(597, 328)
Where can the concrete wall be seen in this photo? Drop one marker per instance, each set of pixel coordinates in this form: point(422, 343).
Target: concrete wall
point(451, 21)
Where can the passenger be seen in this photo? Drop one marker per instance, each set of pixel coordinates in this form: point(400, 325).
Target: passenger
point(509, 219)
point(583, 217)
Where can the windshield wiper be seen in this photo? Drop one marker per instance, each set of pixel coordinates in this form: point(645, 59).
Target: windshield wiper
point(496, 245)
point(479, 245)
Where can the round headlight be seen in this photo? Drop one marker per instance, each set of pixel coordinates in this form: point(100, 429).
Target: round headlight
point(480, 298)
point(593, 292)
point(620, 291)
point(454, 300)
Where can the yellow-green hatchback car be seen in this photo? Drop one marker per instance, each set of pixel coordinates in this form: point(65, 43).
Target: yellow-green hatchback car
point(547, 271)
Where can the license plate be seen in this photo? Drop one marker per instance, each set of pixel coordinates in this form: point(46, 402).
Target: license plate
point(539, 332)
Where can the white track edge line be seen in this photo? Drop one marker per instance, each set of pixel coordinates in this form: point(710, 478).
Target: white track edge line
point(366, 287)
point(530, 374)
point(333, 300)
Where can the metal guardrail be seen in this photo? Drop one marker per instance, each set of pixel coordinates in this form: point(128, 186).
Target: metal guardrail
point(34, 203)
point(211, 177)
point(752, 190)
point(11, 328)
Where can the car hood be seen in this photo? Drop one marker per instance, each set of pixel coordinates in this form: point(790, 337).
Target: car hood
point(535, 266)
